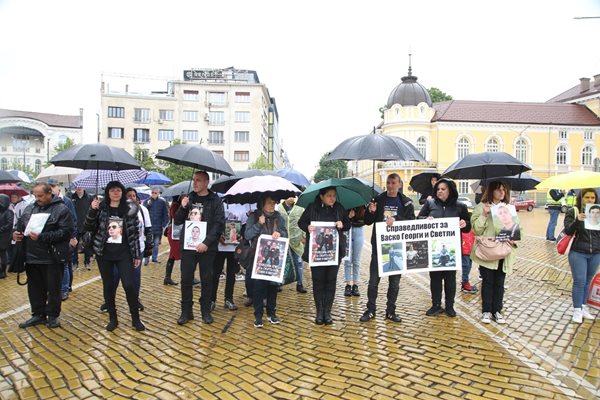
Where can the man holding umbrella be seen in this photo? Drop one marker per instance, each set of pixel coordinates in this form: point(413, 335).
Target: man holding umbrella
point(212, 213)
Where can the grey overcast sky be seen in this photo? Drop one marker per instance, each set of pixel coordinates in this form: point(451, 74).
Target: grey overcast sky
point(329, 64)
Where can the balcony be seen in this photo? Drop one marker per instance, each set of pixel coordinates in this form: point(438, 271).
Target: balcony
point(216, 142)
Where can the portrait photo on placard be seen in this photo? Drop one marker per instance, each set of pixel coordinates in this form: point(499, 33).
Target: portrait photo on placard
point(195, 233)
point(269, 259)
point(592, 217)
point(115, 230)
point(393, 257)
point(324, 244)
point(443, 253)
point(505, 222)
point(232, 231)
point(417, 254)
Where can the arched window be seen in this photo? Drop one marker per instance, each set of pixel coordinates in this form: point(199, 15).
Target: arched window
point(4, 164)
point(561, 155)
point(521, 150)
point(492, 146)
point(463, 147)
point(586, 156)
point(422, 146)
point(38, 166)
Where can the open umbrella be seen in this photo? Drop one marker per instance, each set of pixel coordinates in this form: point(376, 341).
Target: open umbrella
point(378, 189)
point(250, 190)
point(517, 183)
point(91, 178)
point(156, 178)
point(350, 192)
point(177, 189)
point(224, 183)
point(195, 156)
point(485, 165)
point(296, 177)
point(421, 183)
point(572, 180)
point(12, 188)
point(7, 177)
point(62, 174)
point(23, 176)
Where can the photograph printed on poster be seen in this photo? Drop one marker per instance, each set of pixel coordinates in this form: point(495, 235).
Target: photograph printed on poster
point(506, 222)
point(393, 258)
point(269, 259)
point(324, 244)
point(115, 230)
point(175, 230)
point(232, 230)
point(417, 254)
point(195, 233)
point(592, 217)
point(443, 253)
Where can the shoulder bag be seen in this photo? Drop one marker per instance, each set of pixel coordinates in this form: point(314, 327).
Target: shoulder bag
point(490, 249)
point(564, 241)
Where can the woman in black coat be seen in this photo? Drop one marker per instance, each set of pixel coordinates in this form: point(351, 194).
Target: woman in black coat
point(325, 208)
point(6, 226)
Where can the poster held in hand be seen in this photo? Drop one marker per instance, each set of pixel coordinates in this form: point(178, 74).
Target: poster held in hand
point(505, 222)
point(36, 223)
point(324, 244)
point(195, 233)
point(270, 258)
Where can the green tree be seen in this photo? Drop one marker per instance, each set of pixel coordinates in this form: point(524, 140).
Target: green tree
point(330, 169)
point(144, 159)
point(62, 147)
point(261, 163)
point(437, 95)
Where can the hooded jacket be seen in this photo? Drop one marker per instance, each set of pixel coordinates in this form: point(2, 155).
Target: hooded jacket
point(295, 234)
point(437, 208)
point(212, 213)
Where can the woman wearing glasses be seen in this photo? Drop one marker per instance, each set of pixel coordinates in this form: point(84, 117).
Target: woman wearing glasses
point(116, 245)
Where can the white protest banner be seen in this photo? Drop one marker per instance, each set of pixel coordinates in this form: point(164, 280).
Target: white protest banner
point(421, 245)
point(269, 259)
point(324, 244)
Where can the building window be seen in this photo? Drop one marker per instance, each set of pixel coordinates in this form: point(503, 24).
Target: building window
point(242, 116)
point(116, 112)
point(492, 146)
point(588, 135)
point(21, 144)
point(115, 133)
point(422, 146)
point(521, 150)
point(216, 118)
point(216, 98)
point(241, 156)
point(165, 134)
point(190, 136)
point(463, 186)
point(463, 147)
point(38, 166)
point(141, 135)
point(190, 116)
point(190, 95)
point(242, 136)
point(4, 164)
point(166, 115)
point(586, 156)
point(242, 97)
point(141, 115)
point(562, 134)
point(561, 155)
point(215, 137)
point(218, 152)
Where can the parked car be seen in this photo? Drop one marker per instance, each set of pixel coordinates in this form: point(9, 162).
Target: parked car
point(522, 203)
point(465, 201)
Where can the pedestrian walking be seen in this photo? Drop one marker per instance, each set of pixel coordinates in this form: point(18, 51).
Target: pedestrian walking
point(325, 208)
point(554, 203)
point(352, 263)
point(584, 256)
point(81, 201)
point(291, 213)
point(389, 206)
point(444, 204)
point(46, 249)
point(159, 216)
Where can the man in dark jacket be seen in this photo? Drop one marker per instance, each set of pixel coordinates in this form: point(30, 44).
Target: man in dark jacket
point(159, 216)
point(45, 255)
point(211, 212)
point(388, 207)
point(81, 201)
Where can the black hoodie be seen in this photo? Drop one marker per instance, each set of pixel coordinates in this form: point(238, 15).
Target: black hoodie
point(437, 208)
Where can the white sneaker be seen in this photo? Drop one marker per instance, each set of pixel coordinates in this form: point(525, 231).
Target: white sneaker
point(486, 318)
point(577, 315)
point(586, 312)
point(499, 318)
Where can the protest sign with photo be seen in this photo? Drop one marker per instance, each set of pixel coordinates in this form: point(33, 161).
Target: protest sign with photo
point(176, 230)
point(195, 233)
point(423, 245)
point(324, 244)
point(592, 217)
point(505, 222)
point(269, 259)
point(232, 230)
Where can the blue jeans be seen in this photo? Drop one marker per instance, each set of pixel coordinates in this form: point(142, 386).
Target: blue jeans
point(352, 267)
point(466, 268)
point(66, 281)
point(156, 240)
point(583, 268)
point(297, 260)
point(552, 224)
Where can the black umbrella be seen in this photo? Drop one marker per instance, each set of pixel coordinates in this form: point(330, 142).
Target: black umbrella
point(195, 156)
point(421, 183)
point(95, 156)
point(224, 183)
point(7, 177)
point(485, 165)
point(517, 183)
point(177, 189)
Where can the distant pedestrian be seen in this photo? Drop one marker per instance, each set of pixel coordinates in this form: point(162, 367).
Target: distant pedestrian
point(159, 215)
point(554, 203)
point(81, 201)
point(6, 228)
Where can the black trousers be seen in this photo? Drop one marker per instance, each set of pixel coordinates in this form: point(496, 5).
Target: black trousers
point(124, 269)
point(232, 268)
point(189, 260)
point(435, 284)
point(324, 282)
point(264, 290)
point(392, 292)
point(44, 282)
point(492, 288)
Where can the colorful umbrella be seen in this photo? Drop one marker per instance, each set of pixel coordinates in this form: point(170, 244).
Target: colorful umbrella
point(350, 192)
point(156, 178)
point(12, 188)
point(572, 180)
point(92, 178)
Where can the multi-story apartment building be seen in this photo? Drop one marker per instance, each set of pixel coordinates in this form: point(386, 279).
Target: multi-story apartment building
point(28, 139)
point(226, 110)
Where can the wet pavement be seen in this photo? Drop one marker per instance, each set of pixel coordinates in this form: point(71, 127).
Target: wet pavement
point(539, 353)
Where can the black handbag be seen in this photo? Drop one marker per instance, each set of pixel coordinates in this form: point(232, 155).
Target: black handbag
point(244, 253)
point(17, 262)
point(289, 271)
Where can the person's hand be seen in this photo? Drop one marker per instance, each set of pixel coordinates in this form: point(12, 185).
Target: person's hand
point(34, 236)
point(73, 242)
point(429, 197)
point(261, 220)
point(372, 207)
point(201, 248)
point(486, 209)
point(184, 201)
point(311, 228)
point(137, 262)
point(462, 223)
point(351, 214)
point(581, 217)
point(276, 235)
point(95, 204)
point(390, 220)
point(339, 224)
point(17, 236)
point(222, 239)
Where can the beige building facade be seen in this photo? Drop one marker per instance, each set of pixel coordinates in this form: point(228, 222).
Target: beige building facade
point(225, 110)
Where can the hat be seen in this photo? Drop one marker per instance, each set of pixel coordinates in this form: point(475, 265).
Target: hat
point(52, 181)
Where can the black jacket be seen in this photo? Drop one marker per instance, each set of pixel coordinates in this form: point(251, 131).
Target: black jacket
point(407, 214)
point(212, 213)
point(7, 217)
point(57, 231)
point(82, 206)
point(97, 221)
point(446, 209)
point(586, 240)
point(317, 211)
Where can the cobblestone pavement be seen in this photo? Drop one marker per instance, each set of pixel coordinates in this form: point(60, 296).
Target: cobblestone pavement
point(537, 354)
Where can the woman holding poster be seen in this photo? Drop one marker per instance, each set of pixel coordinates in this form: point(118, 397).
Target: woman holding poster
point(493, 273)
point(265, 221)
point(584, 256)
point(325, 208)
point(444, 204)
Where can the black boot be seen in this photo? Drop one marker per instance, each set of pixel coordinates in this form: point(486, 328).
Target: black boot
point(135, 320)
point(2, 271)
point(186, 314)
point(327, 304)
point(168, 271)
point(112, 321)
point(319, 316)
